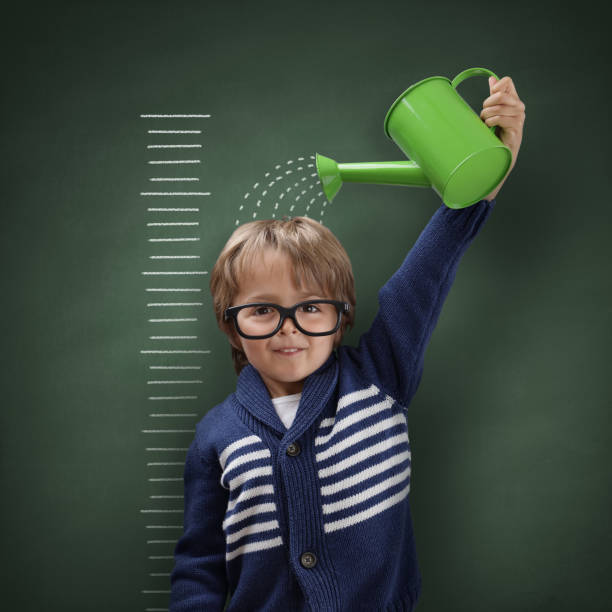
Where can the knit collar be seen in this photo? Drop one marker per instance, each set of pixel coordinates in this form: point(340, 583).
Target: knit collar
point(253, 395)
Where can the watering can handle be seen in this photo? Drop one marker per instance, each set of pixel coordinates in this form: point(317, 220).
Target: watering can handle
point(470, 72)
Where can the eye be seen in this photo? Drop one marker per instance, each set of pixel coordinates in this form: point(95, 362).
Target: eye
point(261, 311)
point(311, 308)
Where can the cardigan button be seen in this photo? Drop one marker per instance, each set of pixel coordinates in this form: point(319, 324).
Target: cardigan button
point(293, 450)
point(308, 560)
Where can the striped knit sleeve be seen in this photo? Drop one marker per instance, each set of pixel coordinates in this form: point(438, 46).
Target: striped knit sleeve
point(392, 351)
point(198, 579)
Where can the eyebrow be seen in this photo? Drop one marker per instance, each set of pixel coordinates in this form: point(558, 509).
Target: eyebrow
point(304, 297)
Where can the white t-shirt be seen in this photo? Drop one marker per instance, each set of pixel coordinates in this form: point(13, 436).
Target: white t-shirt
point(286, 407)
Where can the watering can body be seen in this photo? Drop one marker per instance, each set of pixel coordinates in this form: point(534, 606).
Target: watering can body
point(449, 146)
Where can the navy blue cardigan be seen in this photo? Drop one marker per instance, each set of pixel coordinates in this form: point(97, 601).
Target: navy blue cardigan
point(317, 517)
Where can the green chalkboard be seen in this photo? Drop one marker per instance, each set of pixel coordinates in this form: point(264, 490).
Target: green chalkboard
point(110, 349)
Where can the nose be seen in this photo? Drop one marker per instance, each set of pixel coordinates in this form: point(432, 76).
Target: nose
point(288, 326)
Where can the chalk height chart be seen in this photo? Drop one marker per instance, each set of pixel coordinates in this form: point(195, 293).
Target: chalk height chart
point(174, 353)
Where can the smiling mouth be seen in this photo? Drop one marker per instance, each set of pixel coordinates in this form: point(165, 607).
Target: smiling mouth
point(289, 351)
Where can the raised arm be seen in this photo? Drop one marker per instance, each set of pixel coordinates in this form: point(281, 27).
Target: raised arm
point(391, 352)
point(198, 579)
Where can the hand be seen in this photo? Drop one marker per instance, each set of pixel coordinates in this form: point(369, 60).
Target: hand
point(504, 108)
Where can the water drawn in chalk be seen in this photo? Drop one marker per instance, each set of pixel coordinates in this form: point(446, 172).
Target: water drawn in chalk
point(289, 189)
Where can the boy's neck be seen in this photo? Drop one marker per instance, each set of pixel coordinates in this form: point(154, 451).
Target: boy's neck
point(282, 390)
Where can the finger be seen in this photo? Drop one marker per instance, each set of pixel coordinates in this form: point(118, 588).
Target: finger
point(511, 87)
point(504, 84)
point(514, 109)
point(501, 109)
point(502, 97)
point(499, 97)
point(511, 122)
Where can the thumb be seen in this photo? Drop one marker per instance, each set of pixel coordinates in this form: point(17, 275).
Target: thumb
point(492, 81)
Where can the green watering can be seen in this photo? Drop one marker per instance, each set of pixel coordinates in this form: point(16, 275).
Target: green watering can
point(451, 149)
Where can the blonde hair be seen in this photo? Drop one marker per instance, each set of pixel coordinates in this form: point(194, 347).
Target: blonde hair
point(316, 255)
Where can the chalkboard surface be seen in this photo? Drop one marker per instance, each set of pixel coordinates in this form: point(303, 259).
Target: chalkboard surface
point(136, 135)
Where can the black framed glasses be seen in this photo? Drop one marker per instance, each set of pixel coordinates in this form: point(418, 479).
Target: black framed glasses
point(262, 319)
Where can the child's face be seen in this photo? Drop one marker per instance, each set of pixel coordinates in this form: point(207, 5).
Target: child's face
point(282, 368)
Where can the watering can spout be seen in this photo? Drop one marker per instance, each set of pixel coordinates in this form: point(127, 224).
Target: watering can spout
point(333, 174)
point(329, 175)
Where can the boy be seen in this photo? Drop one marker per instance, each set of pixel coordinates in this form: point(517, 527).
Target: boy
point(296, 486)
